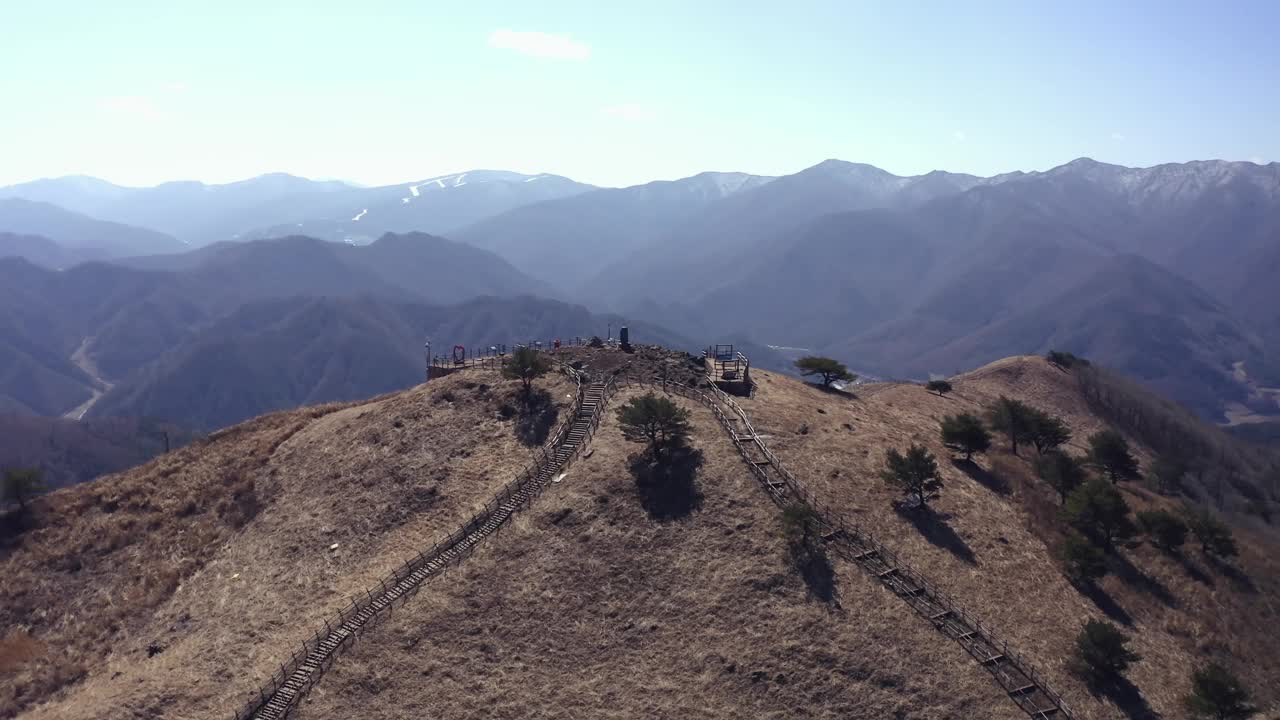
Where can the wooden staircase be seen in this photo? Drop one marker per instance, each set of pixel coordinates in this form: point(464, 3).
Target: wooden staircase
point(1015, 675)
point(287, 691)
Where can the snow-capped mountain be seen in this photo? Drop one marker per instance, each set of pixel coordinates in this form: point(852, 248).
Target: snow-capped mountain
point(437, 205)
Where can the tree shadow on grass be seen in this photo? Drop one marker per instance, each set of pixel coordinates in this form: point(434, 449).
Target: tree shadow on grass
point(933, 526)
point(811, 561)
point(985, 478)
point(1194, 570)
point(536, 414)
point(1137, 579)
point(1128, 698)
point(666, 481)
point(1242, 581)
point(1105, 603)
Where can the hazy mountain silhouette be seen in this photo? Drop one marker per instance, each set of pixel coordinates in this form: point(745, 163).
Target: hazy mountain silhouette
point(282, 353)
point(126, 317)
point(568, 239)
point(74, 230)
point(279, 204)
point(896, 272)
point(46, 253)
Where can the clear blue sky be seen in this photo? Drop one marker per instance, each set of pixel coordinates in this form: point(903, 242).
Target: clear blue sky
point(621, 93)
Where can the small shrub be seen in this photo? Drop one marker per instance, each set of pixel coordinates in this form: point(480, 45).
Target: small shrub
point(596, 342)
point(1065, 360)
point(1102, 654)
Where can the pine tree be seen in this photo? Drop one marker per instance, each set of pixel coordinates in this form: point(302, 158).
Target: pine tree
point(1109, 452)
point(526, 365)
point(1047, 432)
point(915, 473)
point(830, 370)
point(965, 433)
point(1082, 561)
point(1166, 530)
point(1013, 418)
point(20, 485)
point(655, 420)
point(1214, 535)
point(1061, 471)
point(1218, 694)
point(1167, 472)
point(941, 387)
point(1098, 511)
point(1102, 654)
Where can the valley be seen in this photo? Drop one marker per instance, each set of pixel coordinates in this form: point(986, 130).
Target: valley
point(99, 387)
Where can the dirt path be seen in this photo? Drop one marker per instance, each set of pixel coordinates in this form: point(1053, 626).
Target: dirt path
point(100, 386)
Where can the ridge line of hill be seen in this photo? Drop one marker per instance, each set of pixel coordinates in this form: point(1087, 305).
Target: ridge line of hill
point(286, 688)
point(1014, 674)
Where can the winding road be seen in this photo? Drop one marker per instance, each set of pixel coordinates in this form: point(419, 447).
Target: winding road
point(99, 387)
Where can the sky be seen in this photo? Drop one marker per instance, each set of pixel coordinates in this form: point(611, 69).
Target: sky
point(620, 93)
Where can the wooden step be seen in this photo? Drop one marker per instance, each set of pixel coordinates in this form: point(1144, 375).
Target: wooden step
point(1023, 690)
point(994, 659)
point(887, 573)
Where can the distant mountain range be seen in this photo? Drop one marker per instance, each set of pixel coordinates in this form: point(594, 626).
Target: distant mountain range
point(80, 233)
point(1166, 273)
point(280, 204)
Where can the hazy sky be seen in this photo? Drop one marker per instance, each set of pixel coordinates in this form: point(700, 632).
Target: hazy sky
point(617, 93)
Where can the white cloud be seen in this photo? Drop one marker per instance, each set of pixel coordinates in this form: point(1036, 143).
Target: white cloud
point(540, 44)
point(176, 86)
point(630, 111)
point(1117, 137)
point(132, 106)
point(960, 136)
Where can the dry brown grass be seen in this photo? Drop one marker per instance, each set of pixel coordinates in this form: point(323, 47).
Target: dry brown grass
point(591, 608)
point(587, 606)
point(220, 553)
point(989, 545)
